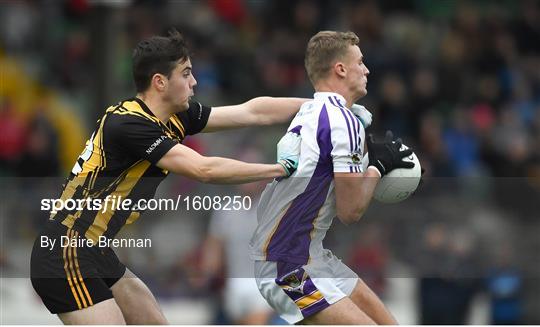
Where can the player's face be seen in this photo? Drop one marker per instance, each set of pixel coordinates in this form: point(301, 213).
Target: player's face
point(180, 86)
point(357, 72)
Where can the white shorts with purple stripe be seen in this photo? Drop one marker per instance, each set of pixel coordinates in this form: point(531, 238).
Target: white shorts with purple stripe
point(298, 291)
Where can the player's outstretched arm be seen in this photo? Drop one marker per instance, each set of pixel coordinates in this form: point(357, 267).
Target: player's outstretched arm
point(216, 170)
point(255, 112)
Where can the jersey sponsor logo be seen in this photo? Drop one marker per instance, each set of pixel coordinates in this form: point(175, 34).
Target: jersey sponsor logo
point(155, 144)
point(291, 281)
point(356, 157)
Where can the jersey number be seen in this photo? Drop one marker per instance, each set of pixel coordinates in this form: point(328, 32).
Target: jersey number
point(87, 153)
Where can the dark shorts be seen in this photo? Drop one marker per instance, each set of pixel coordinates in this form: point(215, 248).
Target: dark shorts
point(72, 275)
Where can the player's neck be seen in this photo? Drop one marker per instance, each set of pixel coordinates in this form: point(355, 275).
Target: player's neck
point(330, 87)
point(156, 106)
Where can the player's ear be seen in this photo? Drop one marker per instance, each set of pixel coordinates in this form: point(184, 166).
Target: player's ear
point(339, 68)
point(159, 81)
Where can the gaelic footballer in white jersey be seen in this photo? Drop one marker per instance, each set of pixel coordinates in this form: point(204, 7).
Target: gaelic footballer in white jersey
point(294, 214)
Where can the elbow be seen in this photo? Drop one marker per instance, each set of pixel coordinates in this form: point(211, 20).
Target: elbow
point(204, 174)
point(205, 179)
point(264, 111)
point(351, 216)
point(348, 219)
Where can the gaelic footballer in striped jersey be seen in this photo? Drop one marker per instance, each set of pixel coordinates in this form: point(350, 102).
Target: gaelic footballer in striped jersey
point(135, 145)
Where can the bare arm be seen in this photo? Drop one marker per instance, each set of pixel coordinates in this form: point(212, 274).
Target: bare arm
point(353, 193)
point(255, 112)
point(216, 170)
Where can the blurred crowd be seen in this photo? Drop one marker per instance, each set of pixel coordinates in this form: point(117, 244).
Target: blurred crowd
point(459, 81)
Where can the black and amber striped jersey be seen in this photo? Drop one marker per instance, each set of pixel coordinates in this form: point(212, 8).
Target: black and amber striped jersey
point(118, 162)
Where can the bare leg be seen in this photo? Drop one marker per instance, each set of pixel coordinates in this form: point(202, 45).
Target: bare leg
point(102, 313)
point(343, 312)
point(370, 303)
point(255, 318)
point(137, 303)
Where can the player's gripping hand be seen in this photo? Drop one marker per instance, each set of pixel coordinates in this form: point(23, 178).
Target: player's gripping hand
point(363, 114)
point(387, 156)
point(288, 150)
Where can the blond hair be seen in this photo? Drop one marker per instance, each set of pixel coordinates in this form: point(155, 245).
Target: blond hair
point(323, 49)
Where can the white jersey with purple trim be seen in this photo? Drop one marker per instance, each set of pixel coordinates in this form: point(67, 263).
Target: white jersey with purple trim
point(295, 213)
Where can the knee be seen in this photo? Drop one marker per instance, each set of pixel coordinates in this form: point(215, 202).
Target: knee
point(153, 316)
point(148, 319)
point(157, 317)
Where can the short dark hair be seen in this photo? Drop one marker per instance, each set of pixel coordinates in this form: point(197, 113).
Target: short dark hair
point(157, 54)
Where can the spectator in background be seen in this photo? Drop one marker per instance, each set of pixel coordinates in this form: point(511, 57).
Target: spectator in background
point(424, 97)
point(368, 258)
point(40, 156)
point(448, 276)
point(39, 159)
point(462, 144)
point(13, 134)
point(504, 285)
point(395, 113)
point(432, 286)
point(434, 153)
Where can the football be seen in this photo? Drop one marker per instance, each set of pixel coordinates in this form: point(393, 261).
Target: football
point(400, 183)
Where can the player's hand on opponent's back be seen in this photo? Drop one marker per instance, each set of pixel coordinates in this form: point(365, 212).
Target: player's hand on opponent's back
point(288, 150)
point(363, 114)
point(387, 156)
